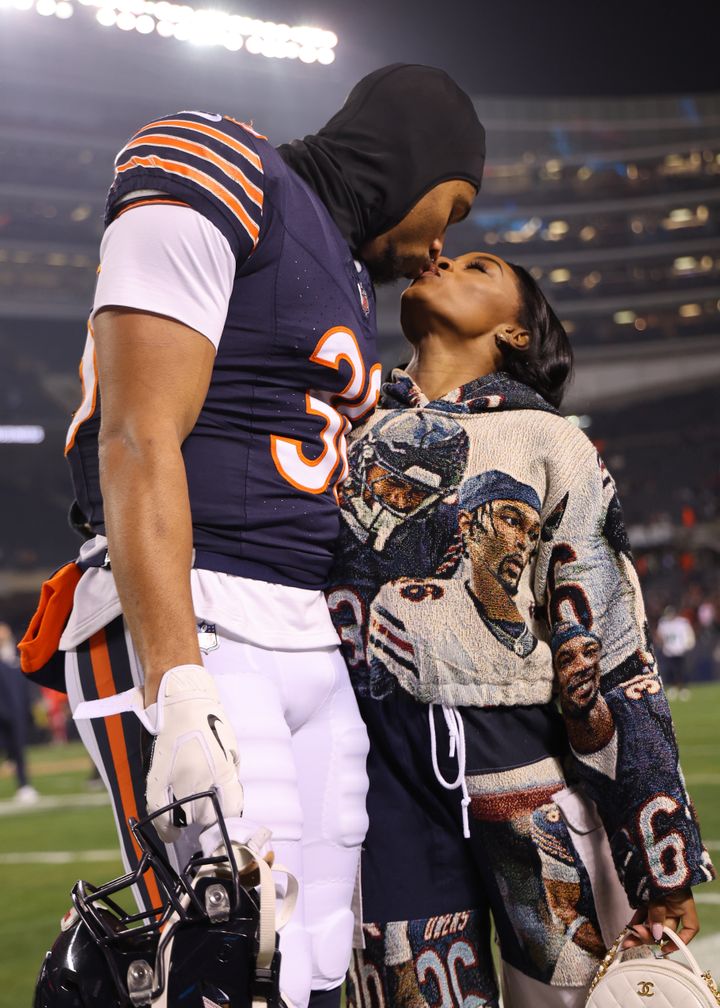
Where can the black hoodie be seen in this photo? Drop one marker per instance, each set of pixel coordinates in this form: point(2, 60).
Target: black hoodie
point(403, 130)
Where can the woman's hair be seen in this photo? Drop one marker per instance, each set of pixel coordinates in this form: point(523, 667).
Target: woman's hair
point(546, 365)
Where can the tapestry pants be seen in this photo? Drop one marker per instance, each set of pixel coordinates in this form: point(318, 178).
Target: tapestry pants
point(534, 860)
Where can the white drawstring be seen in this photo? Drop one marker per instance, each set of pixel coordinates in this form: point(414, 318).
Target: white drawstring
point(456, 730)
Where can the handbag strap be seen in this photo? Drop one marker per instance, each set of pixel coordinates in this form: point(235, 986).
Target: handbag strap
point(616, 951)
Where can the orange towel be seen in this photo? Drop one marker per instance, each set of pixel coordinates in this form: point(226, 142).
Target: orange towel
point(42, 637)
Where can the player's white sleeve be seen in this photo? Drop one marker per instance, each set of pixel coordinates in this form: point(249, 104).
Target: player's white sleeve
point(168, 260)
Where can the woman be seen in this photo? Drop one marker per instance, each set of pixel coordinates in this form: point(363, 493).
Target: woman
point(484, 573)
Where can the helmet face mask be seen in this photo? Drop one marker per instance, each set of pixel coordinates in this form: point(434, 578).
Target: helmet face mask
point(201, 942)
point(403, 467)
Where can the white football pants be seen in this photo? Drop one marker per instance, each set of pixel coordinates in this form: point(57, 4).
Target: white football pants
point(303, 748)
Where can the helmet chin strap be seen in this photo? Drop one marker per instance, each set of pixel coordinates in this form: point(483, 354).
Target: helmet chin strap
point(257, 874)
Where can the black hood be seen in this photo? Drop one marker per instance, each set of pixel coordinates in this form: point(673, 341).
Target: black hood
point(403, 129)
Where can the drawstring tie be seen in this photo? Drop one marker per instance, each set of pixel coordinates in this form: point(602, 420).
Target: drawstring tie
point(456, 730)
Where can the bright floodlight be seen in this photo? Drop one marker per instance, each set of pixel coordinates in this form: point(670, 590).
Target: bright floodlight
point(198, 26)
point(22, 434)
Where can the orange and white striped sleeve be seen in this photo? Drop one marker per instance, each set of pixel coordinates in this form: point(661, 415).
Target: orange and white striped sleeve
point(197, 159)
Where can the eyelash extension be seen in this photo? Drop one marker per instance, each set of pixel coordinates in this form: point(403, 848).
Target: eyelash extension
point(477, 264)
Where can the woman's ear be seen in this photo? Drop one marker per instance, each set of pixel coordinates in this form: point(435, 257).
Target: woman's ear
point(514, 338)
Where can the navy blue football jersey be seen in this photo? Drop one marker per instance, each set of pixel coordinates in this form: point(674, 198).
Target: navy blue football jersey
point(296, 365)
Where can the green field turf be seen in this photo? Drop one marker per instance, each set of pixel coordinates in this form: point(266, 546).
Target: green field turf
point(34, 894)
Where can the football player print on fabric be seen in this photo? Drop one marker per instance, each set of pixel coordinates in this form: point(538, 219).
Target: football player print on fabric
point(425, 632)
point(399, 519)
point(499, 520)
point(443, 960)
point(399, 475)
point(545, 910)
point(609, 731)
point(590, 725)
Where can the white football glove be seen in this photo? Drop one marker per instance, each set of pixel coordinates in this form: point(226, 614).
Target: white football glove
point(194, 749)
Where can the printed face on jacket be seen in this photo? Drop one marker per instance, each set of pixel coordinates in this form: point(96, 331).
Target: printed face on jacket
point(398, 494)
point(400, 472)
point(499, 520)
point(577, 664)
point(501, 538)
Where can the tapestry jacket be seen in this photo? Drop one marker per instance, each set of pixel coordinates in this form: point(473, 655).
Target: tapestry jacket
point(483, 561)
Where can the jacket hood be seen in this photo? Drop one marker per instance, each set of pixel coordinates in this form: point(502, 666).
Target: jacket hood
point(491, 393)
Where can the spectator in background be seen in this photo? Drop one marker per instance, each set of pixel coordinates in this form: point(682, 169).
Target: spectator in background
point(14, 713)
point(676, 639)
point(57, 712)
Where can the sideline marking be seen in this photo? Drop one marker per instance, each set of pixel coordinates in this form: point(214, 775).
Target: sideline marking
point(59, 857)
point(13, 807)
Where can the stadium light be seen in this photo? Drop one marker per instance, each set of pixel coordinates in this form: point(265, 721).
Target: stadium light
point(22, 434)
point(198, 26)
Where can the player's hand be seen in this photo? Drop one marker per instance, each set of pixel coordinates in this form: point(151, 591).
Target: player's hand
point(675, 910)
point(194, 749)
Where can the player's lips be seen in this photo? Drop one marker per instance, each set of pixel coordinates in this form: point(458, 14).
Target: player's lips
point(429, 269)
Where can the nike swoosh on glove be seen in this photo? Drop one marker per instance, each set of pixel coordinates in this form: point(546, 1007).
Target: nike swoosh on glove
point(194, 749)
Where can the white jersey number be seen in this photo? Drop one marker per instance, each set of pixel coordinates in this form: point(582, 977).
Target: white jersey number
point(359, 397)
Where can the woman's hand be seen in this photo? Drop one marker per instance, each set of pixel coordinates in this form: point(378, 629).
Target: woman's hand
point(676, 910)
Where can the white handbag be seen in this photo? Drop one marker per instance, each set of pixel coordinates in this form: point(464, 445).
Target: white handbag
point(655, 982)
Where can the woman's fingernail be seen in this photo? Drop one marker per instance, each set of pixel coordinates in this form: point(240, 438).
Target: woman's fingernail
point(657, 931)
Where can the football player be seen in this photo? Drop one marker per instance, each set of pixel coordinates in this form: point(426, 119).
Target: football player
point(408, 466)
point(499, 526)
point(231, 346)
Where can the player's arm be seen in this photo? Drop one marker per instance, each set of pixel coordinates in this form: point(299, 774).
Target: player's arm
point(184, 211)
point(153, 374)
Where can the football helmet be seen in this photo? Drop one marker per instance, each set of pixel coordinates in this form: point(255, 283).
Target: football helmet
point(211, 943)
point(426, 450)
point(400, 470)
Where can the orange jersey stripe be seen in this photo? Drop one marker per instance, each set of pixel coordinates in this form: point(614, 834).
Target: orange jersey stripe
point(218, 190)
point(216, 134)
point(105, 685)
point(231, 170)
point(151, 202)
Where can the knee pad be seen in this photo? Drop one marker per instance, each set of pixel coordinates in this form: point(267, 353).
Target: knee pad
point(331, 949)
point(351, 821)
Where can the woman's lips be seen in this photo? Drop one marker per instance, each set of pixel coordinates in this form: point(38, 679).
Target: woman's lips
point(430, 270)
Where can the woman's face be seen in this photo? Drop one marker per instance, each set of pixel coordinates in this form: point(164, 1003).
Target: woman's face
point(473, 294)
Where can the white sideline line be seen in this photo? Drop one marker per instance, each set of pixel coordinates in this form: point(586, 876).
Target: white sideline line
point(59, 857)
point(69, 801)
point(711, 897)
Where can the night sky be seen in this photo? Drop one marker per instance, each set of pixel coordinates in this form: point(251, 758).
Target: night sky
point(518, 47)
